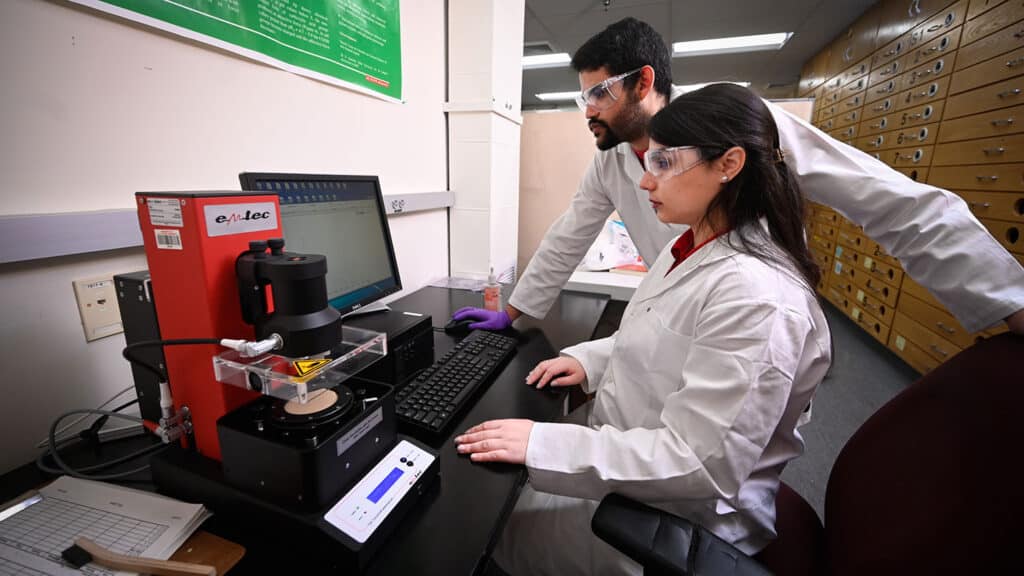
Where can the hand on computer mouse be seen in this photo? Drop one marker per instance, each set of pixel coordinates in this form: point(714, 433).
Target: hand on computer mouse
point(561, 371)
point(458, 327)
point(483, 319)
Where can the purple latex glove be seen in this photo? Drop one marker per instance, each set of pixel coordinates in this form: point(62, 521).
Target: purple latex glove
point(486, 319)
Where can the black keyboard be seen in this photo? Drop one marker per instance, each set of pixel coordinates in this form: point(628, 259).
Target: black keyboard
point(431, 400)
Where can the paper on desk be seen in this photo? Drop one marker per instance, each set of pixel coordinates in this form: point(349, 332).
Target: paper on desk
point(473, 284)
point(123, 520)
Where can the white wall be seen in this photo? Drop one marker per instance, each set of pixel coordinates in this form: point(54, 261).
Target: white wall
point(94, 108)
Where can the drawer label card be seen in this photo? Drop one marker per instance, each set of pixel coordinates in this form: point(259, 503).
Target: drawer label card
point(839, 250)
point(839, 267)
point(868, 262)
point(901, 342)
point(860, 296)
point(856, 313)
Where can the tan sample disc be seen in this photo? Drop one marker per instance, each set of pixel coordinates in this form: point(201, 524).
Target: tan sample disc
point(318, 400)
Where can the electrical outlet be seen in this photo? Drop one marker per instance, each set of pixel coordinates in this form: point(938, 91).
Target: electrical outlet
point(97, 304)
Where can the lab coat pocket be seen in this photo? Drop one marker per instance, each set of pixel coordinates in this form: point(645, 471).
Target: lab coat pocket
point(657, 350)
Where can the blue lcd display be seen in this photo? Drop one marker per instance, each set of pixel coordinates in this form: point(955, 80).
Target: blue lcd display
point(384, 485)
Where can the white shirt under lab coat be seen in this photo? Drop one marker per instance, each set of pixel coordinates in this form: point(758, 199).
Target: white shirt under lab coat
point(939, 242)
point(697, 401)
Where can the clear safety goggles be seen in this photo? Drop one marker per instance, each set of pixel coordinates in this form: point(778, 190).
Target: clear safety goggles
point(601, 96)
point(667, 162)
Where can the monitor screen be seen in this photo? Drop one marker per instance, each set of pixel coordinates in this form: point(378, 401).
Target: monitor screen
point(343, 218)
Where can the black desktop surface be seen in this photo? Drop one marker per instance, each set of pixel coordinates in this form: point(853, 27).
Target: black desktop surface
point(453, 528)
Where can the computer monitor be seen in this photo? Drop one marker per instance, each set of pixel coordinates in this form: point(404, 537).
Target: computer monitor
point(343, 218)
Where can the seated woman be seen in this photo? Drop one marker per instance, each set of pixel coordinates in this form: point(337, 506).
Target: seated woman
point(699, 393)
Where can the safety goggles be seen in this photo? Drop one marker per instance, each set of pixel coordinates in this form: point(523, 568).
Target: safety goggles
point(601, 96)
point(667, 162)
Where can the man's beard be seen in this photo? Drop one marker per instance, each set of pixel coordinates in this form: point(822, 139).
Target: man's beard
point(630, 125)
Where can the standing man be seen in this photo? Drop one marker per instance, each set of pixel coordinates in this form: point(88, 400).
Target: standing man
point(625, 76)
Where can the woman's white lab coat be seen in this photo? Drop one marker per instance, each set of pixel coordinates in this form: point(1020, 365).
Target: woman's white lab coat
point(697, 401)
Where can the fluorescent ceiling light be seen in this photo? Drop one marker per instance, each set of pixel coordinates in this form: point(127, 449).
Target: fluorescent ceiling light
point(551, 96)
point(730, 45)
point(546, 60)
point(691, 87)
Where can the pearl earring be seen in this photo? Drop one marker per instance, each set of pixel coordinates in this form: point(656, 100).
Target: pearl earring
point(725, 178)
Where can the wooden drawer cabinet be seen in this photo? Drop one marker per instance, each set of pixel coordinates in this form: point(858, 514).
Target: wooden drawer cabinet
point(919, 115)
point(995, 20)
point(849, 240)
point(872, 286)
point(869, 323)
point(996, 123)
point(880, 108)
point(928, 72)
point(923, 94)
point(822, 244)
point(845, 255)
point(1007, 93)
point(934, 345)
point(892, 275)
point(987, 47)
point(1008, 177)
point(844, 119)
point(852, 102)
point(855, 72)
point(910, 352)
point(979, 7)
point(985, 151)
point(845, 134)
point(922, 135)
point(887, 72)
point(1006, 233)
point(915, 174)
point(877, 125)
point(911, 287)
point(856, 296)
point(880, 91)
point(938, 320)
point(906, 157)
point(945, 20)
point(1009, 65)
point(941, 46)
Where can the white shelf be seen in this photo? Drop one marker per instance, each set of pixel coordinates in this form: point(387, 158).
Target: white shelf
point(617, 285)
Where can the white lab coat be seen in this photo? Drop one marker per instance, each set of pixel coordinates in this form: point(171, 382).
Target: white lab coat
point(936, 238)
point(697, 401)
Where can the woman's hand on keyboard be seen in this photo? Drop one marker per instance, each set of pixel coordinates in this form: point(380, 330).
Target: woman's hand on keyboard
point(561, 371)
point(496, 441)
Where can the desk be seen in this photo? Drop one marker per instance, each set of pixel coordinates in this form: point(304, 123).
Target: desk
point(453, 529)
point(617, 285)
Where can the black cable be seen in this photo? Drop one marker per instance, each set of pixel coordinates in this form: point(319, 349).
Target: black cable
point(92, 433)
point(79, 473)
point(129, 351)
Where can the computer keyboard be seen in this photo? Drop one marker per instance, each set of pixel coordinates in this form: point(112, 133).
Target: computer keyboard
point(432, 400)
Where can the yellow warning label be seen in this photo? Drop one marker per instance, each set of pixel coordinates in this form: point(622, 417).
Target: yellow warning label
point(304, 367)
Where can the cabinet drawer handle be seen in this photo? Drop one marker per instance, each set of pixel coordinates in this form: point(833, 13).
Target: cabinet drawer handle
point(881, 124)
point(893, 52)
point(854, 102)
point(994, 151)
point(1006, 122)
point(1019, 34)
point(979, 204)
point(885, 90)
point(1015, 62)
point(945, 328)
point(851, 116)
point(989, 178)
point(881, 107)
point(1009, 93)
point(873, 289)
point(938, 350)
point(934, 27)
point(915, 157)
point(876, 142)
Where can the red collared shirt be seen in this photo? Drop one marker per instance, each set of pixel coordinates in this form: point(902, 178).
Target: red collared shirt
point(684, 247)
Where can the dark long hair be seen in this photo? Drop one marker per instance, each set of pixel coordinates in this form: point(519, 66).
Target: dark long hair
point(718, 117)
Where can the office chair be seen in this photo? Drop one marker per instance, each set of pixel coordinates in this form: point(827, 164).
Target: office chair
point(927, 485)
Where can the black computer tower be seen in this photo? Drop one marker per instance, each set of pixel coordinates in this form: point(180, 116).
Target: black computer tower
point(410, 344)
point(138, 316)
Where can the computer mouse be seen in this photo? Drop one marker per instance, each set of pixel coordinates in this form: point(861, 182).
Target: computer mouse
point(458, 327)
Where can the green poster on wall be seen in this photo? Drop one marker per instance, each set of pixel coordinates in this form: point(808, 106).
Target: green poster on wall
point(352, 43)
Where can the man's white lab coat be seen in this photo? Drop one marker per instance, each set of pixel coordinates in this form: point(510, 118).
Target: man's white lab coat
point(936, 238)
point(697, 401)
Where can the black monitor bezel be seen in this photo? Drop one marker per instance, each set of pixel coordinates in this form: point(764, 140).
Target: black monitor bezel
point(248, 181)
